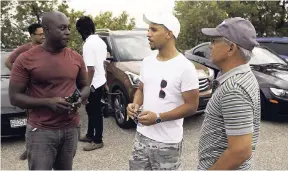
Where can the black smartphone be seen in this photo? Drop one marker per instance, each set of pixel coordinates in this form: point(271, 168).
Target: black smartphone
point(74, 97)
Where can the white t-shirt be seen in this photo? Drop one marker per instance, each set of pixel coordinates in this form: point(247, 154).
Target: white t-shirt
point(94, 54)
point(180, 75)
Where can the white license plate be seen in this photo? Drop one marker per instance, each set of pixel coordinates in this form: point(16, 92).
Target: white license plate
point(18, 122)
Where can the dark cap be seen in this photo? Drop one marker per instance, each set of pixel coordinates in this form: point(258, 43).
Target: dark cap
point(237, 30)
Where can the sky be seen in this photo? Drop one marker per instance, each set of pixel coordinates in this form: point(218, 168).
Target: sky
point(135, 8)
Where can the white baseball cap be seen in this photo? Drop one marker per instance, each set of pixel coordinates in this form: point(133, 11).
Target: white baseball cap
point(166, 19)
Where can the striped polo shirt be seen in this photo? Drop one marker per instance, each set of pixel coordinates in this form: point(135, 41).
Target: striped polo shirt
point(234, 109)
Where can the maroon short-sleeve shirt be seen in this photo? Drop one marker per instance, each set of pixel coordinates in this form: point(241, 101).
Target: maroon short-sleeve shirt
point(49, 75)
point(13, 56)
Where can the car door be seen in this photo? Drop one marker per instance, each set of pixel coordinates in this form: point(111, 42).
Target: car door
point(201, 54)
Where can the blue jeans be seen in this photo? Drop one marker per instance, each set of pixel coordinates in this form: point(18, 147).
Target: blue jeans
point(51, 149)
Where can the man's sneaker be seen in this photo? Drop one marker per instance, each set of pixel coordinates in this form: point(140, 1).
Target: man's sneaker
point(93, 146)
point(85, 139)
point(23, 155)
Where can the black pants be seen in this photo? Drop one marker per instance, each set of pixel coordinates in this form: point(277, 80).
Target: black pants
point(51, 149)
point(95, 118)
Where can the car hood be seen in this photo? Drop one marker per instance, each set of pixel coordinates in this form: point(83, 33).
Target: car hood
point(134, 67)
point(276, 74)
point(6, 106)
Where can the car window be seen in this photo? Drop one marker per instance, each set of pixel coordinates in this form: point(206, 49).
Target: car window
point(105, 39)
point(133, 48)
point(202, 51)
point(279, 48)
point(4, 69)
point(264, 56)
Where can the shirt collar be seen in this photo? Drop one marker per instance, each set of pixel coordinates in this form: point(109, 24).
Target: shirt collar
point(238, 70)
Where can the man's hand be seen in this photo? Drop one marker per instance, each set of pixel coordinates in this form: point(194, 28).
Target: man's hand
point(147, 118)
point(59, 105)
point(132, 110)
point(76, 105)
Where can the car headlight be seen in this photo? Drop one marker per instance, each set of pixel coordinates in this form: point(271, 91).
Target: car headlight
point(134, 78)
point(279, 92)
point(210, 73)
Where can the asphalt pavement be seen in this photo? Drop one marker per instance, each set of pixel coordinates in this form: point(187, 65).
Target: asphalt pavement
point(271, 152)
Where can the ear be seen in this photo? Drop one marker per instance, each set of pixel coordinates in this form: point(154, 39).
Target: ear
point(169, 35)
point(232, 50)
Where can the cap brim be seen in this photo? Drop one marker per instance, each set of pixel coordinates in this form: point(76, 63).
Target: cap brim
point(146, 20)
point(210, 32)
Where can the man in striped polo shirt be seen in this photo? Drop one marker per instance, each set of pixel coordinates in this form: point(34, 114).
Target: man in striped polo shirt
point(230, 130)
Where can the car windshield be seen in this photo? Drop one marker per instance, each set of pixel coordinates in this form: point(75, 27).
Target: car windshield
point(4, 70)
point(264, 56)
point(134, 47)
point(279, 48)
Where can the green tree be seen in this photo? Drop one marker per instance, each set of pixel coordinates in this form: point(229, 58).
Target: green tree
point(122, 22)
point(14, 25)
point(11, 32)
point(193, 16)
point(15, 34)
point(268, 17)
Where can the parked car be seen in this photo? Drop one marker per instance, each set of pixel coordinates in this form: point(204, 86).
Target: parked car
point(276, 44)
point(127, 50)
point(270, 70)
point(13, 119)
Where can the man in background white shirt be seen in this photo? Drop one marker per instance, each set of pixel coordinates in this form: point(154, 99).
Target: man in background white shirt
point(94, 54)
point(168, 91)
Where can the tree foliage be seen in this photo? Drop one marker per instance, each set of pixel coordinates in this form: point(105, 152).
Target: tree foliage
point(268, 17)
point(14, 24)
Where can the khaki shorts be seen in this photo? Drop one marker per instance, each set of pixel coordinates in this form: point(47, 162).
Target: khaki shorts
point(148, 154)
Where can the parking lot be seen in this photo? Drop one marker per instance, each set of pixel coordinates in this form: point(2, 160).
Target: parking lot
point(272, 150)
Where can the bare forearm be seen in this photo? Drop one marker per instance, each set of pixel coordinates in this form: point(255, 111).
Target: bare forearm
point(230, 161)
point(138, 97)
point(178, 113)
point(85, 92)
point(90, 76)
point(25, 102)
point(9, 65)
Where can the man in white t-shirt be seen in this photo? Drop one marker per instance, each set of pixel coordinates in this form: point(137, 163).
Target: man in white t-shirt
point(169, 91)
point(94, 54)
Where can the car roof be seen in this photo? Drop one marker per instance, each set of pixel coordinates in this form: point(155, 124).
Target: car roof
point(272, 39)
point(121, 32)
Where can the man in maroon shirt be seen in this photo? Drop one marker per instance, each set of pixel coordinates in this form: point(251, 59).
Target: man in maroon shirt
point(37, 38)
point(50, 72)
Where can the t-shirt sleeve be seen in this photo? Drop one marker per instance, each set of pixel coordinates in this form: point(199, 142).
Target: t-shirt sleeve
point(89, 55)
point(13, 56)
point(237, 113)
point(189, 79)
point(19, 73)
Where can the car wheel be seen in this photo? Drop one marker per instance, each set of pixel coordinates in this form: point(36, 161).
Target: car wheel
point(120, 104)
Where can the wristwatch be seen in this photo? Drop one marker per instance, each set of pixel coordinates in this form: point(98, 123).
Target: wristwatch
point(158, 119)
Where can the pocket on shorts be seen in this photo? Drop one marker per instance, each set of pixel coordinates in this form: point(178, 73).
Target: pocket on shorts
point(138, 151)
point(170, 156)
